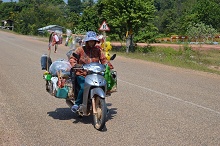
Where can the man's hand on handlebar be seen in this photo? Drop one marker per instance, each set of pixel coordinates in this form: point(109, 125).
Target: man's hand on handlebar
point(78, 66)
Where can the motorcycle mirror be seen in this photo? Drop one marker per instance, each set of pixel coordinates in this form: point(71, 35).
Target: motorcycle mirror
point(113, 57)
point(76, 56)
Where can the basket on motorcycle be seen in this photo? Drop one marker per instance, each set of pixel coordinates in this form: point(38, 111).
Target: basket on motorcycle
point(62, 93)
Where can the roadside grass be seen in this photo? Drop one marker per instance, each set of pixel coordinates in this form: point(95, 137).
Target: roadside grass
point(184, 57)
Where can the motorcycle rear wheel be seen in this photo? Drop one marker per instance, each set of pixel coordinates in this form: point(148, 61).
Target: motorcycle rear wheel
point(99, 118)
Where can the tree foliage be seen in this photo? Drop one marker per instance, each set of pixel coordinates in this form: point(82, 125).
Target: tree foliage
point(75, 6)
point(87, 3)
point(174, 16)
point(127, 15)
point(89, 19)
point(208, 12)
point(27, 24)
point(146, 19)
point(201, 32)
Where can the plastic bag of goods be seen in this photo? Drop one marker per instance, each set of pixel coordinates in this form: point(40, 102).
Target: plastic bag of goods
point(61, 67)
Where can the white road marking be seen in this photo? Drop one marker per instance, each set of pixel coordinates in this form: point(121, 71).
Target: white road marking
point(169, 96)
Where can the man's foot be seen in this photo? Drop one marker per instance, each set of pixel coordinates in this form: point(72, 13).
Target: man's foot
point(74, 108)
point(55, 51)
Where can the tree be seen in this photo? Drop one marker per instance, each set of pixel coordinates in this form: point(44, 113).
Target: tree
point(201, 32)
point(87, 3)
point(75, 6)
point(174, 16)
point(38, 15)
point(33, 2)
point(127, 16)
point(208, 12)
point(89, 19)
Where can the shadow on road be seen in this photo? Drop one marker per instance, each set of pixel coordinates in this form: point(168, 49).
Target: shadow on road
point(67, 114)
point(61, 114)
point(111, 112)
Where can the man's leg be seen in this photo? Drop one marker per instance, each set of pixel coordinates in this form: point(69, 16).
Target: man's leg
point(80, 81)
point(79, 99)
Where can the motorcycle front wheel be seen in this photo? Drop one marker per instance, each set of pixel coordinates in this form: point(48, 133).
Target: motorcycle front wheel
point(99, 118)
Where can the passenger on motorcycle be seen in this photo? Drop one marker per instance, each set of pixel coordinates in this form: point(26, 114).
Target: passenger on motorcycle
point(87, 54)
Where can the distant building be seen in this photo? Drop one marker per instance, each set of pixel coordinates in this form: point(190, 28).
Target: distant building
point(7, 24)
point(51, 28)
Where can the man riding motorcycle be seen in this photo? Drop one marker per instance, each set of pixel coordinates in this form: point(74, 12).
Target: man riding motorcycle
point(87, 54)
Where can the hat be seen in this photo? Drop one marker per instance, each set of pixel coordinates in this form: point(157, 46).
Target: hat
point(91, 36)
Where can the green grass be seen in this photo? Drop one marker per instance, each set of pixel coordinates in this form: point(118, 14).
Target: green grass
point(185, 57)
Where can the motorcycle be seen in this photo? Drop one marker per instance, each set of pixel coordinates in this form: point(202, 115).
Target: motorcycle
point(95, 90)
point(99, 80)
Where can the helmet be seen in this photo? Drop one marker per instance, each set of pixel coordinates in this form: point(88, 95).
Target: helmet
point(91, 36)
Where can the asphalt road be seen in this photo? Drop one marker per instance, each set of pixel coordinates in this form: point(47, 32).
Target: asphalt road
point(156, 105)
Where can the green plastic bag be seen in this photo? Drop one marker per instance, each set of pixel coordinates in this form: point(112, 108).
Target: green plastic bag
point(109, 79)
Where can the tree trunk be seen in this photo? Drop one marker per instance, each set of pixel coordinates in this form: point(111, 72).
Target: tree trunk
point(129, 44)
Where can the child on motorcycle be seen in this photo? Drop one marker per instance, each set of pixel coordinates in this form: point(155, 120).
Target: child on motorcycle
point(87, 54)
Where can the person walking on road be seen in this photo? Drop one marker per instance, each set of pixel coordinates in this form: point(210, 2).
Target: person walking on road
point(55, 41)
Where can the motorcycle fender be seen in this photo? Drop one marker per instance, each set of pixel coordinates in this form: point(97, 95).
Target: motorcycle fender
point(97, 91)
